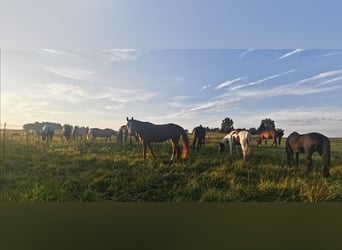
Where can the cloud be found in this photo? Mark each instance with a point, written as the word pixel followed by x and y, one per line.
pixel 178 101
pixel 56 52
pixel 334 80
pixel 262 80
pixel 293 52
pixel 71 72
pixel 121 55
pixel 205 87
pixel 234 99
pixel 243 54
pixel 332 53
pixel 321 76
pixel 229 82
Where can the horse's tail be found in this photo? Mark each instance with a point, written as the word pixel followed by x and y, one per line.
pixel 326 156
pixel 185 152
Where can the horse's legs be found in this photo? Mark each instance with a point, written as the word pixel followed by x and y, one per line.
pixel 289 154
pixel 309 161
pixel 175 149
pixel 144 150
pixel 150 147
pixel 296 158
pixel 194 143
pixel 326 162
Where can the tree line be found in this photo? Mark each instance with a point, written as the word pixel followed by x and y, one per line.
pixel 227 126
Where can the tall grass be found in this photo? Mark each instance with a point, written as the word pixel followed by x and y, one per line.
pixel 82 171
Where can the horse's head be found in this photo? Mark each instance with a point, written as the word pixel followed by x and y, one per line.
pixel 131 126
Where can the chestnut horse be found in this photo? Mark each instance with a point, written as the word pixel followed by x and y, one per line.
pixel 308 144
pixel 270 134
pixel 149 132
pixel 199 137
pixel 123 134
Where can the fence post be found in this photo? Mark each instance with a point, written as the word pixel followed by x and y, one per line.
pixel 3 146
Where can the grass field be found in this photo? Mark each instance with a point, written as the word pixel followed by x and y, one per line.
pixel 81 171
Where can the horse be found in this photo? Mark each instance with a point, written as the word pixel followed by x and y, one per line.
pixel 199 133
pixel 123 134
pixel 97 132
pixel 270 134
pixel 47 133
pixel 149 132
pixel 80 132
pixel 67 131
pixel 308 144
pixel 237 137
pixel 279 134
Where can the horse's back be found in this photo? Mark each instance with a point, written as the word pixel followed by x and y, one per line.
pixel 309 142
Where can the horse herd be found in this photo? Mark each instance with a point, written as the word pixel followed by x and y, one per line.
pixel 295 143
pixel 147 132
pixel 70 133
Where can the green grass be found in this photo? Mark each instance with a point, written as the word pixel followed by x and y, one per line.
pixel 79 171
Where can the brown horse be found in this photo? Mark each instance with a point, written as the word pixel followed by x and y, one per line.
pixel 199 137
pixel 308 144
pixel 148 132
pixel 270 134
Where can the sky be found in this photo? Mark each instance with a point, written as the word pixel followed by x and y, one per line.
pixel 300 89
pixel 190 62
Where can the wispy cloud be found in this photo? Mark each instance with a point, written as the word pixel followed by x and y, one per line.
pixel 178 101
pixel 321 76
pixel 121 55
pixel 243 54
pixel 229 82
pixel 332 53
pixel 205 87
pixel 291 53
pixel 71 72
pixel 56 52
pixel 262 80
pixel 236 98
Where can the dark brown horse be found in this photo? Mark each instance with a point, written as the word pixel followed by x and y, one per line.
pixel 308 144
pixel 149 132
pixel 199 137
pixel 270 134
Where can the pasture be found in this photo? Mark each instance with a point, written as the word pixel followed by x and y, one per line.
pixel 33 170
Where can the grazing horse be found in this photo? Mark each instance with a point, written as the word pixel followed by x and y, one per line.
pixel 237 137
pixel 47 133
pixel 67 131
pixel 148 132
pixel 308 144
pixel 199 134
pixel 107 133
pixel 270 134
pixel 123 133
pixel 80 132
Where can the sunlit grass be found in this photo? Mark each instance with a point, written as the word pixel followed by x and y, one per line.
pixel 82 171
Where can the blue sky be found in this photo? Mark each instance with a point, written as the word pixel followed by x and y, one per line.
pixel 298 88
pixel 170 24
pixel 175 61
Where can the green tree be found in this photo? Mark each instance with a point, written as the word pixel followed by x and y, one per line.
pixel 227 125
pixel 266 124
